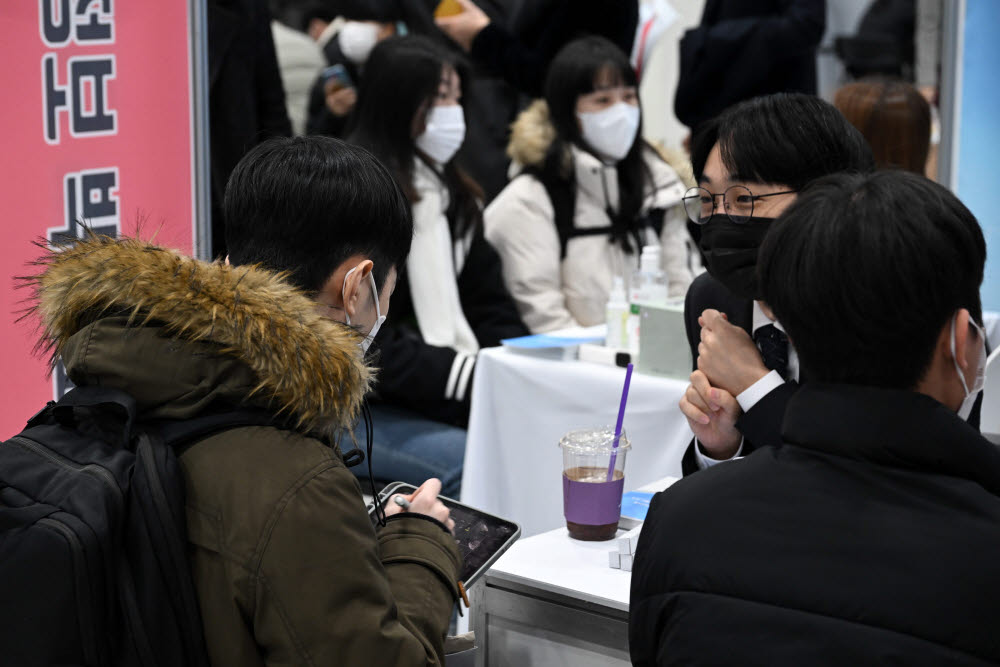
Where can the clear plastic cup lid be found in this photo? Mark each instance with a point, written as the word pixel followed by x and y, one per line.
pixel 586 441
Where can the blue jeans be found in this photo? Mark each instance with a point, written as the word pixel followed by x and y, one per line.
pixel 409 448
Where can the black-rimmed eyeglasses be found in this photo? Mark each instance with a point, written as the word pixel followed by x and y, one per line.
pixel 737 202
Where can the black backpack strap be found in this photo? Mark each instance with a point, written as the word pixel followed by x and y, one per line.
pixel 654 219
pixel 181 433
pixel 104 397
pixel 102 410
pixel 562 195
pixel 17 517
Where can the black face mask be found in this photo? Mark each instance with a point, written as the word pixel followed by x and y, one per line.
pixel 731 252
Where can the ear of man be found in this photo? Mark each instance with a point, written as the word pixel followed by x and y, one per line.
pixel 345 289
pixel 941 381
pixel 354 284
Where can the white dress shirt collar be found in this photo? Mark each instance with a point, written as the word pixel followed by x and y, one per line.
pixel 760 319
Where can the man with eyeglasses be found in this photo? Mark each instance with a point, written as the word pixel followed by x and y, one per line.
pixel 751 163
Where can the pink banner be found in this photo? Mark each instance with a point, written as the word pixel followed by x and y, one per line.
pixel 97 121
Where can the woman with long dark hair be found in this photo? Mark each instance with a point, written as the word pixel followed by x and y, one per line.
pixel 451 300
pixel 591 193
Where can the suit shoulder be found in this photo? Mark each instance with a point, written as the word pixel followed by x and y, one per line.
pixel 707 292
pixel 706 289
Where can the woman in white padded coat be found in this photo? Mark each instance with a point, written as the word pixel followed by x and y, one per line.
pixel 589 193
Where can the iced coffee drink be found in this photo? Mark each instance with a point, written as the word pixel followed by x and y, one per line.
pixel 592 498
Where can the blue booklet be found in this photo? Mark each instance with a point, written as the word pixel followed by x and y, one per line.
pixel 558 339
pixel 635 504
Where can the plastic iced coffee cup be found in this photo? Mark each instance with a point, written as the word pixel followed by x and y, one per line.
pixel 592 504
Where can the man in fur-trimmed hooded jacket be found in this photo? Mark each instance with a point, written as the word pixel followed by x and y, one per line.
pixel 287 566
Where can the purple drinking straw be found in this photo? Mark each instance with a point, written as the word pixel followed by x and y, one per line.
pixel 621 419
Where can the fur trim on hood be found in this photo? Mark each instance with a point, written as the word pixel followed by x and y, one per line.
pixel 532 134
pixel 307 366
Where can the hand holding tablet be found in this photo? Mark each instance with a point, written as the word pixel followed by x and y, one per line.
pixel 482 538
pixel 423 500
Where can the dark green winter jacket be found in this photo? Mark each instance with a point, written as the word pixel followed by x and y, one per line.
pixel 287 565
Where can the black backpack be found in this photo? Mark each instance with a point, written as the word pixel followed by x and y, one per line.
pixel 93 553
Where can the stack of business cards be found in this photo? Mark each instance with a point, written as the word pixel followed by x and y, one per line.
pixel 621 557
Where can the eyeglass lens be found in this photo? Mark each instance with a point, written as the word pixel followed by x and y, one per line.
pixel 737 202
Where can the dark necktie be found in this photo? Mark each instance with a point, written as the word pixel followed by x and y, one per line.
pixel 773 346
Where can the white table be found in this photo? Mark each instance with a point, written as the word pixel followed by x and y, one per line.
pixel 552 600
pixel 522 618
pixel 522 405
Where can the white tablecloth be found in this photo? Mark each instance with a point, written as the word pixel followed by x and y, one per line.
pixel 522 405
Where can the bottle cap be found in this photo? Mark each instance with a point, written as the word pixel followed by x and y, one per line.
pixel 649 261
pixel 617 289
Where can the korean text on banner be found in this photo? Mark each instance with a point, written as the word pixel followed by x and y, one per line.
pixel 97 118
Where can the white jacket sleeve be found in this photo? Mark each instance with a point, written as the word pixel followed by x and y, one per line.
pixel 520 224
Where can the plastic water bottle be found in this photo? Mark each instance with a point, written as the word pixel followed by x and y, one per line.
pixel 648 286
pixel 617 315
pixel 649 282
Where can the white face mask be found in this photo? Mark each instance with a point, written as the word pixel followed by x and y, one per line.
pixel 970 395
pixel 444 134
pixel 357 40
pixel 610 132
pixel 380 318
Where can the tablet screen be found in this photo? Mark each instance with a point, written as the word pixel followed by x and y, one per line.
pixel 481 537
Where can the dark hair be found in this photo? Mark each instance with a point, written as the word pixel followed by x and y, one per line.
pixel 574 72
pixel 402 77
pixel 786 138
pixel 306 204
pixel 314 11
pixel 863 271
pixel 895 119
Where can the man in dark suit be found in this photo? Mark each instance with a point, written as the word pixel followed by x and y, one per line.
pixel 869 536
pixel 751 162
